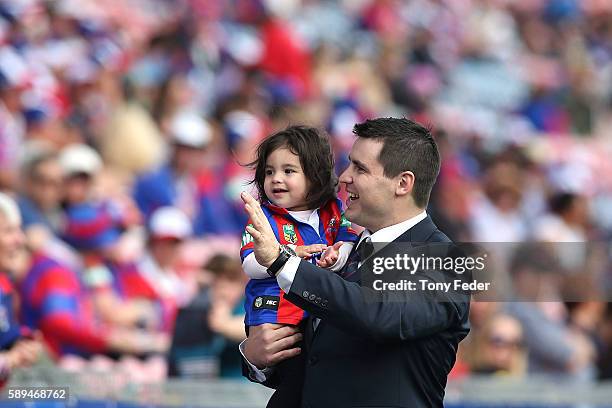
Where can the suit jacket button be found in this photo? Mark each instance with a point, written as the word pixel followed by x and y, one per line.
pixel 313 360
pixel 305 294
pixel 312 296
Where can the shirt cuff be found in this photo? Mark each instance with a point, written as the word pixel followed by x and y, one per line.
pixel 343 255
pixel 255 373
pixel 287 273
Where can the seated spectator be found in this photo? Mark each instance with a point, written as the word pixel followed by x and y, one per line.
pixel 208 330
pixel 17 347
pixel 120 293
pixel 501 348
pixel 53 301
pixel 168 228
pixel 553 347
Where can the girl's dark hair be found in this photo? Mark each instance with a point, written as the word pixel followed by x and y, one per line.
pixel 316 159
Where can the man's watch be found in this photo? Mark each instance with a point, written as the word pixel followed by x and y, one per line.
pixel 284 255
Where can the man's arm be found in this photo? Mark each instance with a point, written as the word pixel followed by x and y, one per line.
pixel 266 346
pixel 383 316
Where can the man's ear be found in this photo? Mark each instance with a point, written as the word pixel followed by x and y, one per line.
pixel 405 183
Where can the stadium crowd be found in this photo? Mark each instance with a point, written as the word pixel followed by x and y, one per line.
pixel 124 124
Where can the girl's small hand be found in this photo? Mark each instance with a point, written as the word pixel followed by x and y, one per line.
pixel 330 256
pixel 306 251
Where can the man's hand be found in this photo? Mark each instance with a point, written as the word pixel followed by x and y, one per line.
pixel 266 247
pixel 269 344
pixel 330 256
pixel 306 251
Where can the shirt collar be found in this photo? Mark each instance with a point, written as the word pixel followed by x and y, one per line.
pixel 392 232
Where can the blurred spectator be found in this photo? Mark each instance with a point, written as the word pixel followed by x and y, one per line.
pixel 41 193
pixel 15 349
pixel 208 330
pixel 496 216
pixel 184 182
pixel 553 347
pixel 501 347
pixel 568 220
pixel 169 227
pixel 120 293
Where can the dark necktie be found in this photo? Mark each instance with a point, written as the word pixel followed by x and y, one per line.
pixel 363 251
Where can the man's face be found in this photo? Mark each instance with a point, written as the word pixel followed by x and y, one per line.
pixel 370 192
pixel 46 185
pixel 11 242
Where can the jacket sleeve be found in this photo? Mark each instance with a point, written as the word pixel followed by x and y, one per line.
pixel 382 316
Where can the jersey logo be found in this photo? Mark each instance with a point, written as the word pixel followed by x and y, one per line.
pixel 345 222
pixel 289 233
pixel 266 302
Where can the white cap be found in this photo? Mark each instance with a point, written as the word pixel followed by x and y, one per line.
pixel 190 129
pixel 169 222
pixel 80 158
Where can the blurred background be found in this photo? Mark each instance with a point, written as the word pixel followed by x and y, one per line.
pixel 124 124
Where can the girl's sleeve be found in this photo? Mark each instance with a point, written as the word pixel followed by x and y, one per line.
pixel 250 266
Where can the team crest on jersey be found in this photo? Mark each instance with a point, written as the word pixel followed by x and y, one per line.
pixel 344 222
pixel 258 302
pixel 246 237
pixel 289 233
pixel 332 223
pixel 332 226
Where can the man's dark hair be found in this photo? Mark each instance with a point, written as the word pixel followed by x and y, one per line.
pixel 407 146
pixel 316 159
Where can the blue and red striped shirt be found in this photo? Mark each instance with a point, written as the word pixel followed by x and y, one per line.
pixel 265 301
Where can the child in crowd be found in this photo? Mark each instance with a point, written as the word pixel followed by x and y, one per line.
pixel 294 175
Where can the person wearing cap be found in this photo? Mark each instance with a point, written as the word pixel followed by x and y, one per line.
pixel 53 301
pixel 168 228
pixel 121 295
pixel 184 182
pixel 80 164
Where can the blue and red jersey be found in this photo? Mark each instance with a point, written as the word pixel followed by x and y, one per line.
pixel 265 301
pixel 9 327
pixel 126 282
pixel 54 301
pixel 213 213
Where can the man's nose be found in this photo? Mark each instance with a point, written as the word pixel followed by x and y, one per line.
pixel 345 177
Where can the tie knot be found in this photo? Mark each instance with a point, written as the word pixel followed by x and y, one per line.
pixel 365 249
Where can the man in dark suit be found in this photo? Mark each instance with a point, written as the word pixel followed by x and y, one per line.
pixel 395 350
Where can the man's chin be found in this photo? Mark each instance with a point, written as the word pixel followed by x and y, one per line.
pixel 352 214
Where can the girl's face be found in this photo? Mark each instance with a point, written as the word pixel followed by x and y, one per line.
pixel 285 183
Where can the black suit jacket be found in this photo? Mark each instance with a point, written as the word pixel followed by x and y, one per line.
pixel 378 354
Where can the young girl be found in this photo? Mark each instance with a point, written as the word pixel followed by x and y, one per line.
pixel 294 175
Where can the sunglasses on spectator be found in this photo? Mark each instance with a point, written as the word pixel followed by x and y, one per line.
pixel 47 181
pixel 501 342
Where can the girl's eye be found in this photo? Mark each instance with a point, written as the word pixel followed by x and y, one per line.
pixel 288 171
pixel 269 172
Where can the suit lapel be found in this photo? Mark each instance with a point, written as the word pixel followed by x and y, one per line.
pixel 419 233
